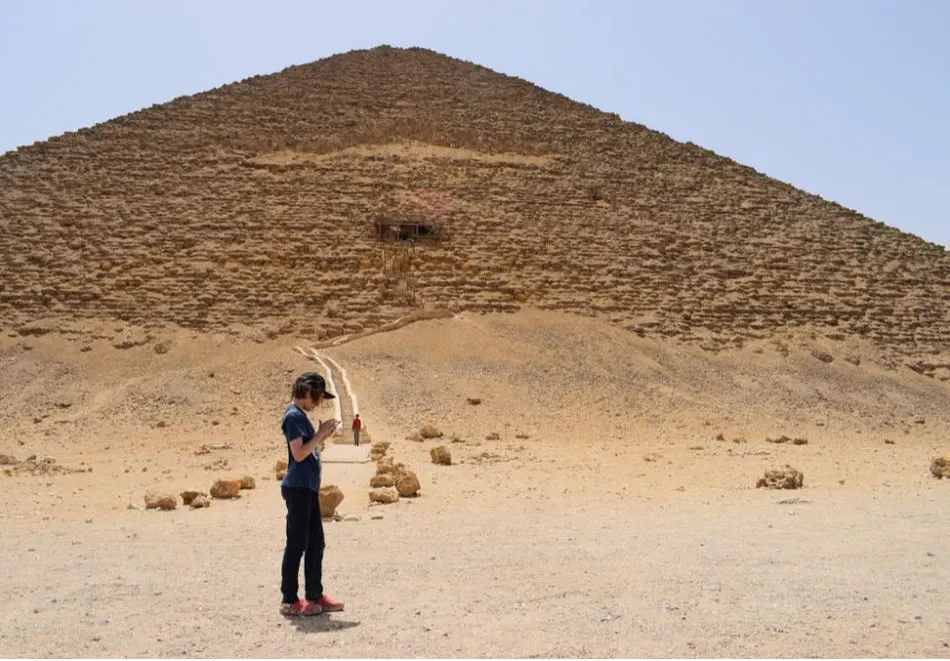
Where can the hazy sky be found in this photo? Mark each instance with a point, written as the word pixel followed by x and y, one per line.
pixel 846 99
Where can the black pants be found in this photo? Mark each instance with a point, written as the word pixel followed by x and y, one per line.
pixel 304 538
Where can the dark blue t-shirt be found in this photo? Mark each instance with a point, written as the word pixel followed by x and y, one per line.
pixel 304 474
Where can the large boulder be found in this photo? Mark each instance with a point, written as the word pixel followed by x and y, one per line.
pixel 383 480
pixel 441 455
pixel 384 495
pixel 189 496
pixel 200 501
pixel 940 467
pixel 430 431
pixel 226 489
pixel 330 497
pixel 408 485
pixel 161 501
pixel 783 478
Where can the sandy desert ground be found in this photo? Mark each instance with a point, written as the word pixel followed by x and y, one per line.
pixel 615 513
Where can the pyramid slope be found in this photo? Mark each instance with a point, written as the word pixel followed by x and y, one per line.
pixel 254 204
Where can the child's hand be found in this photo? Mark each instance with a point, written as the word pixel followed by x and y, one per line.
pixel 328 426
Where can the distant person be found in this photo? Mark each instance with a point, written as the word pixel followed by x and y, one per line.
pixel 300 489
pixel 357 426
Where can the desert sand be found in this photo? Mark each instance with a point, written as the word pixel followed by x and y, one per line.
pixel 601 501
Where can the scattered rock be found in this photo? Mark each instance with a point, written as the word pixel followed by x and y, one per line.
pixel 217 465
pixel 161 501
pixel 384 495
pixel 488 458
pixel 247 482
pixel 940 467
pixel 200 501
pixel 474 401
pixel 415 436
pixel 383 480
pixel 45 466
pixel 8 460
pixel 226 489
pixel 38 327
pixel 408 485
pixel 794 501
pixel 189 496
pixel 786 439
pixel 330 498
pixel 441 455
pixel 494 436
pixel 132 339
pixel 429 431
pixel 785 478
pixel 822 355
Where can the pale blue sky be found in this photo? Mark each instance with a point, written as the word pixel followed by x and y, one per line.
pixel 846 99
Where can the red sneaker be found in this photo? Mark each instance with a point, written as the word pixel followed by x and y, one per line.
pixel 328 605
pixel 300 607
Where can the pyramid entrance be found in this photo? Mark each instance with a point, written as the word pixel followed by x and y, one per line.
pixel 398 230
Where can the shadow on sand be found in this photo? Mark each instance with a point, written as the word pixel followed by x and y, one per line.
pixel 321 623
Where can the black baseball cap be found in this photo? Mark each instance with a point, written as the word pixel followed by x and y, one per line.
pixel 316 383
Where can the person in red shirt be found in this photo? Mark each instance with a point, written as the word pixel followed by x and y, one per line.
pixel 357 426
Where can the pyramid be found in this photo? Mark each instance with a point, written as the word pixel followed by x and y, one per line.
pixel 338 196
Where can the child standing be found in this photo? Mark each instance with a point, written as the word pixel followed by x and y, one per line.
pixel 300 490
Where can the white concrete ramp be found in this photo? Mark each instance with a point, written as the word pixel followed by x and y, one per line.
pixel 338 453
pixel 345 405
